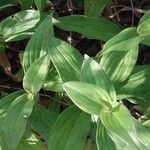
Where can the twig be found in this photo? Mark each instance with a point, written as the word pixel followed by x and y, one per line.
pixel 70 8
pixel 132 20
pixel 11 48
pixel 8 87
pixel 43 95
pixel 137 10
pixel 117 14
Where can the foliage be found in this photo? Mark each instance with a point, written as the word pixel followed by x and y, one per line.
pixel 92 89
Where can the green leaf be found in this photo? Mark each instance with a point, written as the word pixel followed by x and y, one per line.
pixel 16 119
pixel 6 3
pixel 19 24
pixel 104 142
pixel 146 41
pixel 92 73
pixel 36 74
pixel 146 124
pixel 40 4
pixel 143 134
pixel 42 120
pixel 25 4
pixel 93 8
pixel 120 123
pixel 4 104
pixel 124 41
pixel 70 130
pixel 119 55
pixel 119 65
pixel 137 86
pixel 38 44
pixel 144 17
pixel 90 101
pixel 120 144
pixel 53 81
pixel 2 141
pixel 29 141
pixel 92 28
pixel 144 25
pixel 66 59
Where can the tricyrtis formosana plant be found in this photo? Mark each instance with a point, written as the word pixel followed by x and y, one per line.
pixel 95 88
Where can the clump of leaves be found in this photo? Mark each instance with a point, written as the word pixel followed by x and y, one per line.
pixel 95 90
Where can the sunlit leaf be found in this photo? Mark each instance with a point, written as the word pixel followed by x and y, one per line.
pixel 120 123
pixel 124 41
pixel 38 45
pixel 16 119
pixel 19 25
pixel 144 25
pixel 66 59
pixel 36 74
pixel 119 65
pixel 91 72
pixel 88 97
pixel 4 104
pixel 143 134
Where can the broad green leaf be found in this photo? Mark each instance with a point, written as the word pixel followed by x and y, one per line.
pixel 144 17
pixel 2 141
pixel 88 97
pixel 119 143
pixel 38 44
pixel 40 4
pixel 92 28
pixel 144 25
pixel 120 54
pixel 92 73
pixel 121 124
pixel 146 41
pixel 146 124
pixel 42 120
pixel 66 59
pixel 137 86
pixel 25 4
pixel 143 134
pixel 93 8
pixel 118 65
pixel 70 130
pixel 6 3
pixel 29 141
pixel 16 119
pixel 4 104
pixel 124 41
pixel 104 142
pixel 55 84
pixel 36 74
pixel 19 24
